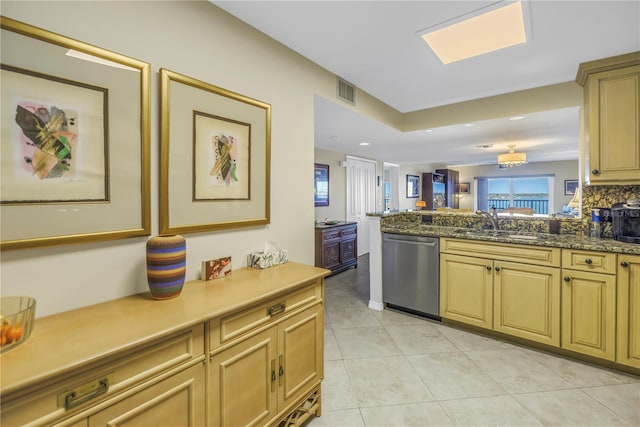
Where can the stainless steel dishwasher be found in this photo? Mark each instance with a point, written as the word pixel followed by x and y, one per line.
pixel 411 273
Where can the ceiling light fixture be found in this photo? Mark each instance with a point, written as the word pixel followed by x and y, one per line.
pixel 516 118
pixel 365 143
pixel 469 124
pixel 511 159
pixel 480 34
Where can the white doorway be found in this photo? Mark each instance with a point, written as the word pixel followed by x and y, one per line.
pixel 390 187
pixel 361 197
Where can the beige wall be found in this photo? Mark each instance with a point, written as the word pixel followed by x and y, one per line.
pixel 201 41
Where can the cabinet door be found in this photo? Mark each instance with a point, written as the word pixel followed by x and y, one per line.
pixel 614 131
pixel 629 310
pixel 331 254
pixel 300 355
pixel 178 400
pixel 588 313
pixel 466 290
pixel 243 382
pixel 348 251
pixel 526 302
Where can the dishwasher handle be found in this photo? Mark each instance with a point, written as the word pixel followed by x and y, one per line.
pixel 412 242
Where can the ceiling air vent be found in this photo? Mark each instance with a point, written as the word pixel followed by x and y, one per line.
pixel 346 91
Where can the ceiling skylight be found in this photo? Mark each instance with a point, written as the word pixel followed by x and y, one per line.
pixel 488 32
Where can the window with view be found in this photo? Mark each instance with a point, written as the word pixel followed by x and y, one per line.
pixel 516 192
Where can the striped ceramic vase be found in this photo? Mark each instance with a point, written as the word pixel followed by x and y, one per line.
pixel 166 265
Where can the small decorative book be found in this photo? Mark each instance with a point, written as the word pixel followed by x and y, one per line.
pixel 216 268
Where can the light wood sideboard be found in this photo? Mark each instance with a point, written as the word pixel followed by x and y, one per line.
pixel 245 349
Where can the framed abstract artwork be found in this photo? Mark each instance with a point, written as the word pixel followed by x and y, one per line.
pixel 321 184
pixel 75 140
pixel 215 157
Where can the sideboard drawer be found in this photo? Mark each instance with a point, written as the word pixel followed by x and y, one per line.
pixel 235 325
pixel 67 394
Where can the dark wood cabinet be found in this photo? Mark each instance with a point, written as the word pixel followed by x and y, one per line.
pixel 433 191
pixel 451 181
pixel 337 246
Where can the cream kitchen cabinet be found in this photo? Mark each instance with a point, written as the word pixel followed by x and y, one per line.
pixel 266 360
pixel 589 303
pixel 628 310
pixel 516 298
pixel 466 290
pixel 526 301
pixel 612 118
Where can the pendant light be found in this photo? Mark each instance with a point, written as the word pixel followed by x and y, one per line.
pixel 511 159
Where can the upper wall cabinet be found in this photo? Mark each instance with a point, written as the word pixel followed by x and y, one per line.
pixel 612 119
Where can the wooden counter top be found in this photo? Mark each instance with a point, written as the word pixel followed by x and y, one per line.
pixel 63 342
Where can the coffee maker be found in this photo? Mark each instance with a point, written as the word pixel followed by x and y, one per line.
pixel 626 221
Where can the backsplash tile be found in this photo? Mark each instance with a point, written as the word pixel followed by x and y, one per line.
pixel 603 196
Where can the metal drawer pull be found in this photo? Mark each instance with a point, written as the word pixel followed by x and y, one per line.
pixel 276 309
pixel 497 268
pixel 488 268
pixel 84 393
pixel 567 278
pixel 588 261
pixel 624 264
pixel 273 374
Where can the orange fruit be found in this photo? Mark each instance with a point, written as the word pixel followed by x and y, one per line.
pixel 14 333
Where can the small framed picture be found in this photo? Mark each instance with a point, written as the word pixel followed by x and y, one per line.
pixel 570 186
pixel 216 268
pixel 412 186
pixel 464 188
pixel 321 184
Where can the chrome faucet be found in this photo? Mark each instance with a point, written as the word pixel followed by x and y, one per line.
pixel 493 217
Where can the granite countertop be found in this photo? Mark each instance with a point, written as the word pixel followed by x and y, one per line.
pixel 566 241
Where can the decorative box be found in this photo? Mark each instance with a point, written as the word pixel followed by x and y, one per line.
pixel 267 258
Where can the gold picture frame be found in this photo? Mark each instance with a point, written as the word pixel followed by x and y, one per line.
pixel 215 157
pixel 109 95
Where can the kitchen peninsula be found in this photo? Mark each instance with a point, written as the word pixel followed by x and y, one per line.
pixel 563 292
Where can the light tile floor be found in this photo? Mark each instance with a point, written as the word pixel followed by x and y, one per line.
pixel 393 369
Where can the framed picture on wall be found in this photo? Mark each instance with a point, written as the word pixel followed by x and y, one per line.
pixel 321 184
pixel 413 181
pixel 74 158
pixel 464 188
pixel 215 157
pixel 570 186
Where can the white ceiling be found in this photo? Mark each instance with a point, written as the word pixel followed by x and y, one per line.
pixel 376 46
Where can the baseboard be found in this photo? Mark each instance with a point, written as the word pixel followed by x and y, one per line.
pixel 376 305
